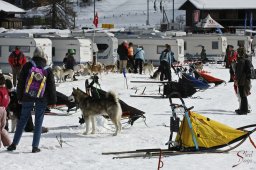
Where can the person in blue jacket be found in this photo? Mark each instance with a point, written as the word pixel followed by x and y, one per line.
pixel 166 59
pixel 139 56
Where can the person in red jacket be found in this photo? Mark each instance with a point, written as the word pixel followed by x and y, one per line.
pixel 4 101
pixel 232 57
pixel 16 60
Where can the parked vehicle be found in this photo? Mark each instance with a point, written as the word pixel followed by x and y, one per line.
pixel 26 43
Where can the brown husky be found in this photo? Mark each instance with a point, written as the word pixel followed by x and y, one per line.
pixel 91 107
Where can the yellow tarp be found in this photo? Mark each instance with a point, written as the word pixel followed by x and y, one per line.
pixel 209 133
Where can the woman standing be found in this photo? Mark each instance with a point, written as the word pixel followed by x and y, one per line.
pixel 30 102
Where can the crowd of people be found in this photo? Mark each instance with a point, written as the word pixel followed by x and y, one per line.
pixel 132 58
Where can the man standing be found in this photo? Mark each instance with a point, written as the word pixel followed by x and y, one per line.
pixel 70 61
pixel 16 61
pixel 242 80
pixel 203 55
pixel 166 59
pixel 122 51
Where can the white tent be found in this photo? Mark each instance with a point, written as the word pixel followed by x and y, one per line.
pixel 208 22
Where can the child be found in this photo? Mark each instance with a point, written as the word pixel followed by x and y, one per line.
pixel 4 101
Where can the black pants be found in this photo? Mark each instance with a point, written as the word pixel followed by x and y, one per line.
pixel 138 63
pixel 165 71
pixel 244 101
pixel 130 64
pixel 231 72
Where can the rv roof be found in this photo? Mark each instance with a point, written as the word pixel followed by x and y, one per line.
pixel 16 35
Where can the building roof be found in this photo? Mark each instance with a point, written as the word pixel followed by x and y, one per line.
pixel 220 4
pixel 9 8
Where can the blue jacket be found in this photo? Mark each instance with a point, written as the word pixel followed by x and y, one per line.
pixel 139 54
pixel 167 56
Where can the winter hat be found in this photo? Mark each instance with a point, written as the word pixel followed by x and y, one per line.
pixel 39 52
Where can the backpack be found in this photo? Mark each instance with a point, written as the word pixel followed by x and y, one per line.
pixel 250 73
pixel 36 81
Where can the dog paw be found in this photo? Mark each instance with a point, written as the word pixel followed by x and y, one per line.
pixel 85 133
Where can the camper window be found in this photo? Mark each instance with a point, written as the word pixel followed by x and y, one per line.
pixel 102 47
pixel 160 48
pixel 53 51
pixel 215 45
pixel 185 45
pixel 24 49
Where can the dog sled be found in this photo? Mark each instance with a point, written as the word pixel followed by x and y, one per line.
pixel 196 134
pixel 184 87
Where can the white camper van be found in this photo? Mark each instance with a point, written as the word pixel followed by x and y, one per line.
pixel 107 45
pixel 153 46
pixel 27 45
pixel 235 40
pixel 81 46
pixel 214 45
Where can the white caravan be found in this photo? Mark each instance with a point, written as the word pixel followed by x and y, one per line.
pixel 153 46
pixel 27 44
pixel 214 45
pixel 235 40
pixel 81 46
pixel 107 45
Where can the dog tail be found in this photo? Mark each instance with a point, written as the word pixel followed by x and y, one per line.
pixel 112 96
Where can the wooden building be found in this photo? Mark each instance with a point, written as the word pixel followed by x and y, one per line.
pixel 7 16
pixel 231 14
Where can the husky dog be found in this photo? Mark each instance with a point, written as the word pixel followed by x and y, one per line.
pixel 148 68
pixel 156 75
pixel 110 68
pixel 98 68
pixel 56 72
pixel 91 107
pixel 66 72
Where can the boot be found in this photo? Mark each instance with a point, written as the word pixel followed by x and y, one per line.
pixel 12 147
pixel 35 150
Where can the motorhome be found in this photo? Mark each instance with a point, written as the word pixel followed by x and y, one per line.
pixel 27 45
pixel 153 46
pixel 81 46
pixel 214 45
pixel 107 45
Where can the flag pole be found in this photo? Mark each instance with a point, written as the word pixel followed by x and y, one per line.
pixel 94 62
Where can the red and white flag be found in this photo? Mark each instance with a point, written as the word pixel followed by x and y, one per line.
pixel 96 20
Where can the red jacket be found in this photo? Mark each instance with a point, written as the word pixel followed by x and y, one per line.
pixel 232 56
pixel 4 97
pixel 17 59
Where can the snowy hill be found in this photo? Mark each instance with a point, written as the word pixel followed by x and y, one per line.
pixel 124 13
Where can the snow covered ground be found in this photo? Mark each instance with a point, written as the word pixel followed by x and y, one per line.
pixel 84 152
